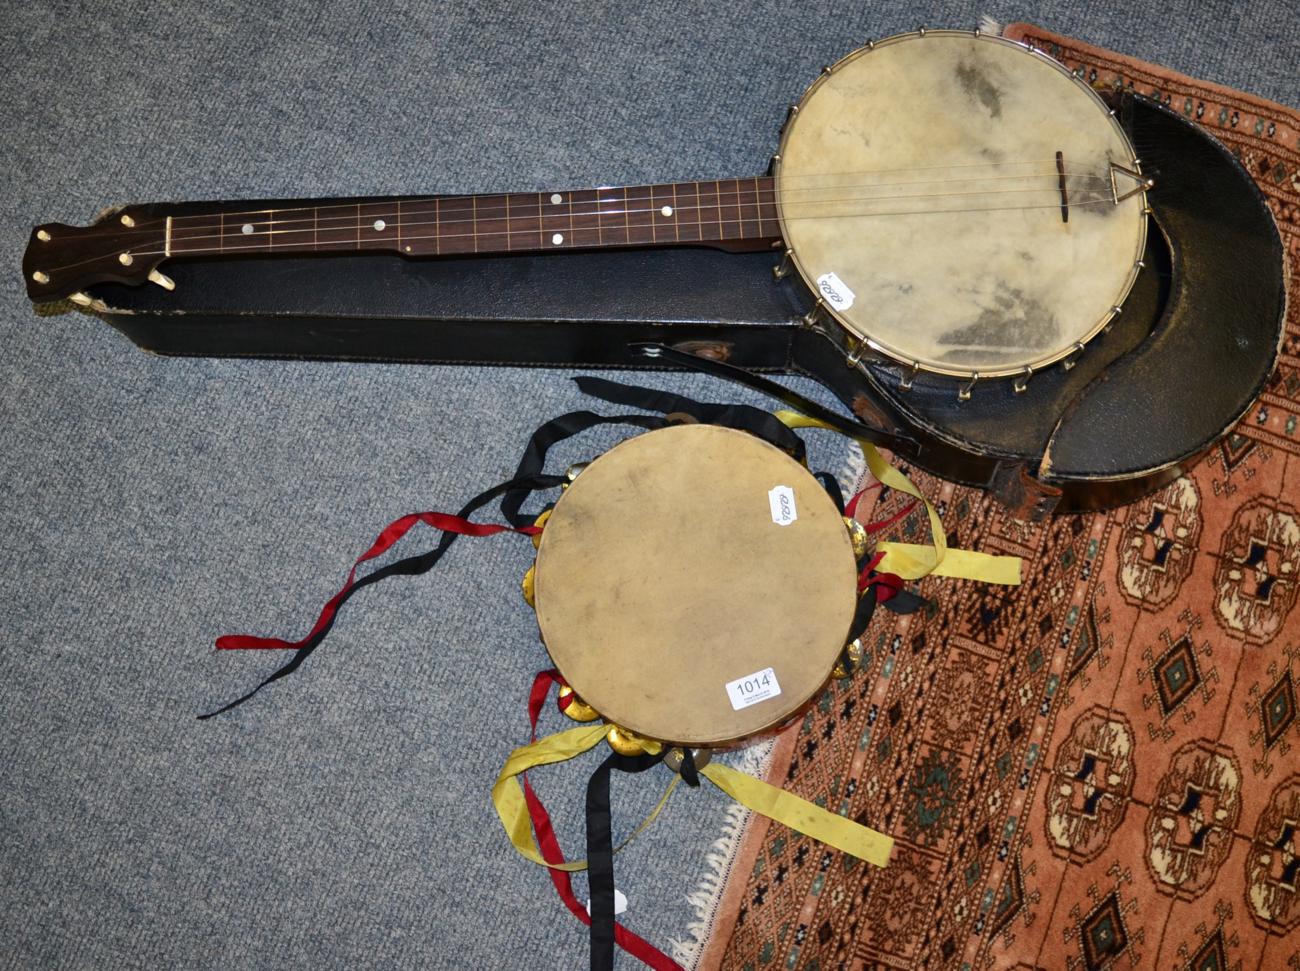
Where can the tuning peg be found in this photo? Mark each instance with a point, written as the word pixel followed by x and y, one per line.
pixel 81 299
pixel 162 279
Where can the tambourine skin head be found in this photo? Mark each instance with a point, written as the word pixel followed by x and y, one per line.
pixel 962 204
pixel 687 560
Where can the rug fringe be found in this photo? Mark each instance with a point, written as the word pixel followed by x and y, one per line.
pixel 707 896
pixel 853 471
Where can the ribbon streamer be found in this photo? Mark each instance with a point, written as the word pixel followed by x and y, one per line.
pixel 801 815
pixel 911 561
pixel 508 794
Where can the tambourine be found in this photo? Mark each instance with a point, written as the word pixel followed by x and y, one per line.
pixel 695 586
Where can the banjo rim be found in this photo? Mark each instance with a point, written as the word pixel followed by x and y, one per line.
pixel 868 342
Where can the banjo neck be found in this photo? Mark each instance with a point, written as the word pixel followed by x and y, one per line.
pixel 128 245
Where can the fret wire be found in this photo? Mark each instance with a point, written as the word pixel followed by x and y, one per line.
pixel 399 225
pixel 740 207
pixel 437 229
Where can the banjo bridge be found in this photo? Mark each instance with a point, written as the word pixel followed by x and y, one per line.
pixel 1065 193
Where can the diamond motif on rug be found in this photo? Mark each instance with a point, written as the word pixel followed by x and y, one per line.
pixel 1104 935
pixel 1176 675
pixel 1278 710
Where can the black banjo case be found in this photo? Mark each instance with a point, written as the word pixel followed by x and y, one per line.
pixel 1196 341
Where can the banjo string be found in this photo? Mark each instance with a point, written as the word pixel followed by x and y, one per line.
pixel 145 224
pixel 261 248
pixel 620 207
pixel 763 197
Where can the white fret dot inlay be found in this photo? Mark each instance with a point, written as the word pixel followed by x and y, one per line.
pixel 379 225
pixel 667 210
pixel 556 198
pixel 247 228
pixel 557 239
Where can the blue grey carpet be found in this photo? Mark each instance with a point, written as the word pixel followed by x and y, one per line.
pixel 342 819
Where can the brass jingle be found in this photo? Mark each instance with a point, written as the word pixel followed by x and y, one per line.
pixel 529 585
pixel 571 473
pixel 577 709
pixel 850 660
pixel 858 537
pixel 855 651
pixel 702 756
pixel 624 742
pixel 540 522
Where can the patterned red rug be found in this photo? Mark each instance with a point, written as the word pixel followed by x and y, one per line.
pixel 1102 767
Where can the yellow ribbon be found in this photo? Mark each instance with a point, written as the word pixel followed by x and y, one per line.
pixel 911 561
pixel 508 793
pixel 801 815
pixel 784 807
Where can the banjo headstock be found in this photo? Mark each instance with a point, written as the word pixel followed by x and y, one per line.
pixel 120 247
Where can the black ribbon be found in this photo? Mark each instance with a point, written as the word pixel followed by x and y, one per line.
pixel 893 440
pixel 600 853
pixel 832 487
pixel 410 566
pixel 745 418
pixel 547 436
pixel 689 771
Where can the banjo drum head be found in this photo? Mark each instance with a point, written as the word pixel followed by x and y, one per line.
pixel 920 195
pixel 686 560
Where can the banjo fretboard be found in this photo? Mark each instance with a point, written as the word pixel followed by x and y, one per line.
pixel 727 212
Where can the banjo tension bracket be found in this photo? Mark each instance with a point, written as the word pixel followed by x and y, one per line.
pixel 782 269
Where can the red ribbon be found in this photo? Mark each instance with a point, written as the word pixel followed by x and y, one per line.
pixel 391 534
pixel 889 583
pixel 880 524
pixel 852 507
pixel 638 947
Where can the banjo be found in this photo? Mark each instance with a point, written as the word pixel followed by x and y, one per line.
pixel 958 209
